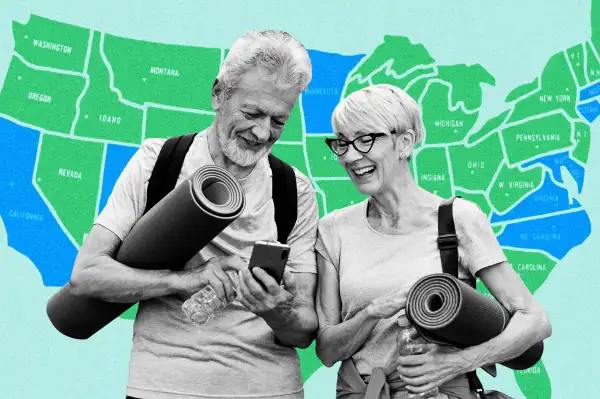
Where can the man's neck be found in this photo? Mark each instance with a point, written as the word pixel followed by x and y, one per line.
pixel 216 153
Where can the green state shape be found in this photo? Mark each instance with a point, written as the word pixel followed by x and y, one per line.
pixel 293 154
pixel 52 44
pixel 320 203
pixel 309 362
pixel 403 53
pixel 593 64
pixel 383 78
pixel 474 167
pixel 497 229
pixel 534 382
pixel 68 174
pixel 478 199
pixel 466 83
pixel 293 130
pixel 101 115
pixel 130 313
pixel 443 126
pixel 432 171
pixel 166 74
pixel 416 89
pixel 533 267
pixel 224 51
pixel 582 139
pixel 558 91
pixel 353 86
pixel 41 98
pixel 512 185
pixel 576 58
pixel 536 137
pixel 322 161
pixel 520 91
pixel 165 123
pixel 489 126
pixel 340 193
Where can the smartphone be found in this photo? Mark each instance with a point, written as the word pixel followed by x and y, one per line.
pixel 271 256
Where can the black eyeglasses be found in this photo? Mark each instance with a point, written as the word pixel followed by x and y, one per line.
pixel 362 144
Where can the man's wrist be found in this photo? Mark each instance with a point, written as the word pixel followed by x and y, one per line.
pixel 281 316
pixel 176 282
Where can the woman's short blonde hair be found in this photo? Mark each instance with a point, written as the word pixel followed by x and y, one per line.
pixel 379 105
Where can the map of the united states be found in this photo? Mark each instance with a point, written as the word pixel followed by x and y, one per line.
pixel 77 103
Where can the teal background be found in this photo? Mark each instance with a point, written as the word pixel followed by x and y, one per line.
pixel 512 39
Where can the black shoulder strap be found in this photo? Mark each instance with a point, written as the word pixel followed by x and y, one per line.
pixel 284 197
pixel 167 167
pixel 447 238
pixel 448 245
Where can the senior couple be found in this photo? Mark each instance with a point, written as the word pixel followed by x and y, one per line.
pixel 345 281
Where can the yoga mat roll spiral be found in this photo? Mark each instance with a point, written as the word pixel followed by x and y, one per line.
pixel 446 310
pixel 166 237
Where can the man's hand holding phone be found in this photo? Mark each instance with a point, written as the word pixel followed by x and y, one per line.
pixel 260 289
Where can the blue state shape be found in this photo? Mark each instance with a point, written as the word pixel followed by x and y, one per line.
pixel 117 157
pixel 324 92
pixel 31 228
pixel 590 110
pixel 554 162
pixel 589 92
pixel 547 199
pixel 556 235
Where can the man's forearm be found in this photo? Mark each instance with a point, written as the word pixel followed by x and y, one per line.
pixel 112 281
pixel 294 324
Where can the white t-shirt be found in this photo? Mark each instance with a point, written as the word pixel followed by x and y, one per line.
pixel 370 264
pixel 234 355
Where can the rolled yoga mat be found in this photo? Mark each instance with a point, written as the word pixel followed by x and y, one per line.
pixel 166 237
pixel 446 310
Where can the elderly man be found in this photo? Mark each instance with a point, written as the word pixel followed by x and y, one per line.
pixel 249 350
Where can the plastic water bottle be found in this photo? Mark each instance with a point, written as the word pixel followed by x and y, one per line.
pixel 205 305
pixel 409 342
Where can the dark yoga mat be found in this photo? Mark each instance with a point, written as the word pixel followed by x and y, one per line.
pixel 446 310
pixel 166 237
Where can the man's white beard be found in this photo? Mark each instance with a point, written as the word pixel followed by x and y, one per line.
pixel 240 156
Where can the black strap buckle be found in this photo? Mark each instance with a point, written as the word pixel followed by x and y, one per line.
pixel 447 241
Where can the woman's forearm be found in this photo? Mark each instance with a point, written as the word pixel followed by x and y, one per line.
pixel 523 331
pixel 338 342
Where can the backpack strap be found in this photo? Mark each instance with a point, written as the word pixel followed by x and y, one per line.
pixel 167 167
pixel 284 197
pixel 448 246
pixel 447 239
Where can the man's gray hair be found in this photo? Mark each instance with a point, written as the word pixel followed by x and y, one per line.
pixel 379 105
pixel 278 56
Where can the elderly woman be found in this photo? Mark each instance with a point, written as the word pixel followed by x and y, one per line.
pixel 369 254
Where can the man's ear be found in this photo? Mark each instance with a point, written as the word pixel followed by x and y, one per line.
pixel 217 94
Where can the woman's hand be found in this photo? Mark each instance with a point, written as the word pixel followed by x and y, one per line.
pixel 388 305
pixel 437 365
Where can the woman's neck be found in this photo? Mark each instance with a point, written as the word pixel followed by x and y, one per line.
pixel 399 209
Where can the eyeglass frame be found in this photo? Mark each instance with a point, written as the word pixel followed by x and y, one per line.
pixel 374 136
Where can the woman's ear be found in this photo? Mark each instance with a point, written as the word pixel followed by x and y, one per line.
pixel 405 143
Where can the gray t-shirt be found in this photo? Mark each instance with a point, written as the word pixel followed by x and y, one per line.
pixel 371 264
pixel 234 355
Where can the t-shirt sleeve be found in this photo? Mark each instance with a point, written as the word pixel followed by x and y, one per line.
pixel 327 244
pixel 127 200
pixel 478 247
pixel 302 237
